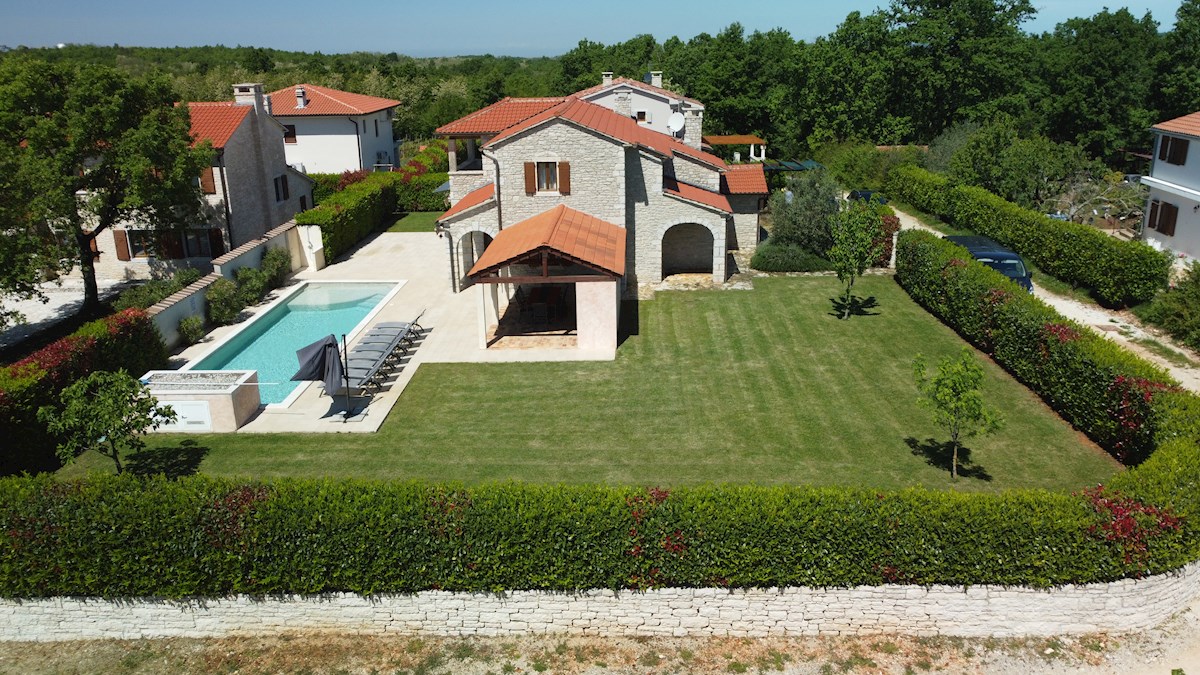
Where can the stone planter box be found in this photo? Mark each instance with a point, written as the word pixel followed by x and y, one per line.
pixel 218 401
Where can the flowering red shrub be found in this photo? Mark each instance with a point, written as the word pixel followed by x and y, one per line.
pixel 1130 405
pixel 351 177
pixel 1129 524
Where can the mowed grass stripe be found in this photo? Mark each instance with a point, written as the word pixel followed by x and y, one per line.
pixel 760 386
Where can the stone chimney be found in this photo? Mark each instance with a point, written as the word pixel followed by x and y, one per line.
pixel 622 104
pixel 301 97
pixel 250 93
pixel 606 78
pixel 693 127
pixel 656 78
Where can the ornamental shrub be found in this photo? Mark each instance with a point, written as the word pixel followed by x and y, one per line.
pixel 772 257
pixel 1177 311
pixel 126 340
pixel 200 536
pixel 1100 388
pixel 252 285
pixel 155 290
pixel 1119 273
pixel 191 329
pixel 277 265
pixel 224 302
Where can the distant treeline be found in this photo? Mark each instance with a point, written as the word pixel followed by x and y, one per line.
pixel 899 75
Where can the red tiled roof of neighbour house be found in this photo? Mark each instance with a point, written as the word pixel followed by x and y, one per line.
pixel 498 116
pixel 572 233
pixel 326 101
pixel 470 200
pixel 215 122
pixel 635 83
pixel 1188 125
pixel 736 139
pixel 744 179
pixel 606 122
pixel 699 195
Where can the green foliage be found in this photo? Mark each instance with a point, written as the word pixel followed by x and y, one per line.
pixel 198 536
pixel 856 234
pixel 1177 311
pixel 155 290
pixel 325 184
pixel 1118 272
pixel 772 257
pixel 952 395
pixel 191 329
pixel 861 165
pixel 1100 388
pixel 277 265
pixel 802 214
pixel 252 285
pixel 224 302
pixel 127 340
pixel 106 412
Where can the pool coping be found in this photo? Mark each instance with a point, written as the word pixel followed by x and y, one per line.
pixel 263 310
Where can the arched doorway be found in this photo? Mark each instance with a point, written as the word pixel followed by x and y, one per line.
pixel 687 248
pixel 470 246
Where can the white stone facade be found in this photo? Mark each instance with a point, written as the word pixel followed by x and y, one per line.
pixel 995 611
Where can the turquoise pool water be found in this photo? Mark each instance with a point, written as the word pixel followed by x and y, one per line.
pixel 269 343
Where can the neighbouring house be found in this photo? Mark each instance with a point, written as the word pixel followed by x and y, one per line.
pixel 331 131
pixel 1173 209
pixel 248 190
pixel 561 206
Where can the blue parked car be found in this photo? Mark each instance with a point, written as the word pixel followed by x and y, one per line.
pixel 997 257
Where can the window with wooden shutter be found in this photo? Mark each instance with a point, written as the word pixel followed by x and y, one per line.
pixel 530 178
pixel 289 133
pixel 208 184
pixel 1173 150
pixel 286 193
pixel 564 178
pixel 122 244
pixel 1167 214
pixel 1152 221
pixel 216 243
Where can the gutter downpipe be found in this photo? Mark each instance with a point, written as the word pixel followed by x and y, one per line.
pixel 225 198
pixel 358 140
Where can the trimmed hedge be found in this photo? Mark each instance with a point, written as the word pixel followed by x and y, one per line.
pixel 127 340
pixel 1099 387
pixel 771 257
pixel 1119 273
pixel 199 536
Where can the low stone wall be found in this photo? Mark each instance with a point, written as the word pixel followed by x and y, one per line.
pixel 938 610
pixel 189 301
pixel 250 254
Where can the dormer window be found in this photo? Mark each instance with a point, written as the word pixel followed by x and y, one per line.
pixel 1173 150
pixel 643 116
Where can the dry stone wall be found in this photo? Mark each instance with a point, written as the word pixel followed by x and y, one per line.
pixel 1121 606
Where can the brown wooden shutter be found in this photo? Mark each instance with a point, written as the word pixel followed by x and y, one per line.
pixel 564 178
pixel 94 248
pixel 286 193
pixel 530 178
pixel 207 185
pixel 1179 150
pixel 1164 142
pixel 1152 221
pixel 122 244
pixel 1169 213
pixel 216 243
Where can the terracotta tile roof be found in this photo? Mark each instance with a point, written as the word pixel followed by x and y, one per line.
pixel 744 179
pixel 635 83
pixel 471 200
pixel 1188 125
pixel 692 193
pixel 216 122
pixel 499 116
pixel 572 233
pixel 326 101
pixel 606 122
pixel 736 139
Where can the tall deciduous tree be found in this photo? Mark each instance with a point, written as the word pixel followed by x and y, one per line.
pixel 99 148
pixel 952 395
pixel 856 244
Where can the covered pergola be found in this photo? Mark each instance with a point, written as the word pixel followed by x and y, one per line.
pixel 559 273
pixel 758 146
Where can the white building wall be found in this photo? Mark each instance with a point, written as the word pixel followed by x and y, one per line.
pixel 1187 174
pixel 1187 226
pixel 378 145
pixel 326 144
pixel 657 107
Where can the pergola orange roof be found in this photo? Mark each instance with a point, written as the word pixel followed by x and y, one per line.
pixel 1188 125
pixel 736 139
pixel 569 233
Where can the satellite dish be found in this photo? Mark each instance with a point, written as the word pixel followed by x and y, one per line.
pixel 675 122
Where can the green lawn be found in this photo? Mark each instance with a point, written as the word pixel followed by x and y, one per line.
pixel 760 386
pixel 420 221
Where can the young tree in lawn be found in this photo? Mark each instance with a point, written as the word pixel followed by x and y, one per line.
pixel 952 394
pixel 856 244
pixel 106 412
pixel 97 148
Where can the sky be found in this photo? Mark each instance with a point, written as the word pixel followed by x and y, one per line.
pixel 448 27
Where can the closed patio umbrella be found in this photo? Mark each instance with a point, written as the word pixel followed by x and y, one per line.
pixel 322 361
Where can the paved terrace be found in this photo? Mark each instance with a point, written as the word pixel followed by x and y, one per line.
pixel 451 323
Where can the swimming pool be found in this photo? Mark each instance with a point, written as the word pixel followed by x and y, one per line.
pixel 268 344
